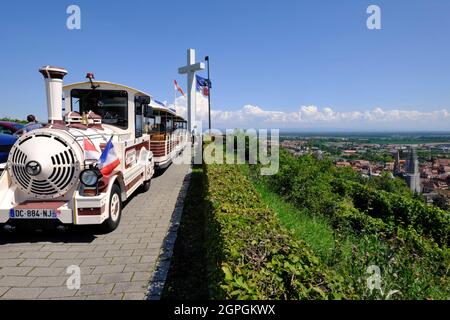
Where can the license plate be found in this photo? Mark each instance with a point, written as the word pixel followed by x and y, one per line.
pixel 33 214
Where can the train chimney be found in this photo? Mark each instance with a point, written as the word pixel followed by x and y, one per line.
pixel 53 85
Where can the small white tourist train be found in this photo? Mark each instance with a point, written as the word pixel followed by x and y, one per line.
pixel 56 175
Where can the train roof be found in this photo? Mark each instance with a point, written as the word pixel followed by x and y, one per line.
pixel 155 104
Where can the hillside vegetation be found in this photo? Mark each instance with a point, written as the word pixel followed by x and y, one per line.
pixel 353 223
pixel 312 231
pixel 249 255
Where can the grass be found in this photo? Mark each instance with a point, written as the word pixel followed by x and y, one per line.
pixel 316 231
pixel 336 250
pixel 187 275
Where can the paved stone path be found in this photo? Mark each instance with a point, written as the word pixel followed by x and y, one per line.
pixel 119 265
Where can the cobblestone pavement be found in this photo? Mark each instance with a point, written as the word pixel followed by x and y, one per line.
pixel 119 265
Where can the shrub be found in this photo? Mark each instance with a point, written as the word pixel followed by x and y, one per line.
pixel 398 210
pixel 250 255
pixel 385 224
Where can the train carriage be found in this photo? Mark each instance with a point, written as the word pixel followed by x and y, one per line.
pixel 55 176
pixel 168 134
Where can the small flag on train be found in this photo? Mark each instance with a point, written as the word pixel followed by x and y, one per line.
pixel 177 87
pixel 203 86
pixel 109 159
pixel 90 151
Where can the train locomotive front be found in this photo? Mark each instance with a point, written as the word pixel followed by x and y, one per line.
pixel 50 181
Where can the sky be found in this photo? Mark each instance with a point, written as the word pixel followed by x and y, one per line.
pixel 306 65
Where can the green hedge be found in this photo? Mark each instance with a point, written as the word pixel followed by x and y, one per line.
pixel 250 256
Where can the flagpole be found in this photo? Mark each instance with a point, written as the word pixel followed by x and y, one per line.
pixel 209 94
pixel 174 95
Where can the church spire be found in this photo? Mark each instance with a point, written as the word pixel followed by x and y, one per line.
pixel 412 171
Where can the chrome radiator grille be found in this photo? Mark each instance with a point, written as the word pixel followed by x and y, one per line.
pixel 43 165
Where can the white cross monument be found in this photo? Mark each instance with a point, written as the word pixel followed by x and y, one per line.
pixel 190 70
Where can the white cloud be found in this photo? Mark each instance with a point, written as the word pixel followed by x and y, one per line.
pixel 311 117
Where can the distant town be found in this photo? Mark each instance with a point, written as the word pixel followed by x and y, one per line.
pixel 422 160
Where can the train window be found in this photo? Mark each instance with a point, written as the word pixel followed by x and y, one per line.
pixel 138 123
pixel 163 124
pixel 111 105
pixel 149 125
pixel 157 120
pixel 178 124
pixel 169 122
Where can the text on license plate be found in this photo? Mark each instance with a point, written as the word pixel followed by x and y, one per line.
pixel 33 214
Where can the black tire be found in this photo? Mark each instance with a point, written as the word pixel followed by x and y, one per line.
pixel 113 220
pixel 146 185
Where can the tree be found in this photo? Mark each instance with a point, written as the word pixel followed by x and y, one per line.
pixel 12 120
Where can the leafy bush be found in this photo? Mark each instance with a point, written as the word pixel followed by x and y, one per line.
pixel 250 255
pixel 306 182
pixel 399 210
pixel 318 187
pixel 375 222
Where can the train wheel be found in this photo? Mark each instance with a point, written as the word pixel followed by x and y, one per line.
pixel 115 210
pixel 146 185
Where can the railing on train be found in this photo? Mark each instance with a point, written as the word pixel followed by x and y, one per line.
pixel 171 141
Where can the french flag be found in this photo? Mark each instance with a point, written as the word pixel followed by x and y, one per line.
pixel 90 151
pixel 109 159
pixel 177 87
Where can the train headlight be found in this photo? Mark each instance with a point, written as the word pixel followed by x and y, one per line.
pixel 90 177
